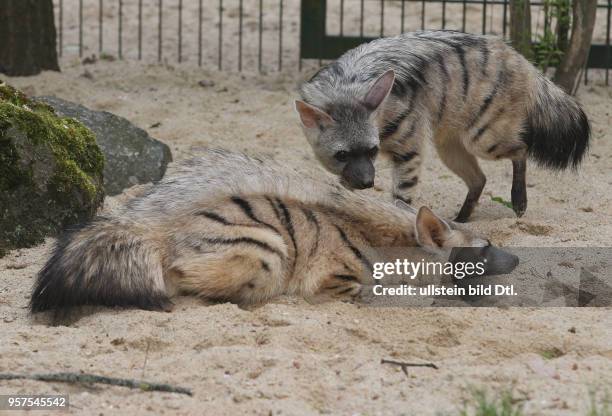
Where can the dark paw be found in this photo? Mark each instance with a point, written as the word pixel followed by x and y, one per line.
pixel 519 204
pixel 467 208
pixel 519 209
pixel 462 217
pixel 342 287
pixel 464 213
pixel 350 291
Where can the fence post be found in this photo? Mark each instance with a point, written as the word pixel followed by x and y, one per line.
pixel 312 30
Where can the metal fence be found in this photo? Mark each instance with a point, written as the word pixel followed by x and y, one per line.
pixel 226 34
pixel 325 34
pixel 274 35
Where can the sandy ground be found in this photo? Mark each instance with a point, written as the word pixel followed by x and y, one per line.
pixel 290 357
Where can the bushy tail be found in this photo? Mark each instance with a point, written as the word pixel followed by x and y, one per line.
pixel 106 262
pixel 557 130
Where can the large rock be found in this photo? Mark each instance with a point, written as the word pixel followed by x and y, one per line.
pixel 50 171
pixel 132 156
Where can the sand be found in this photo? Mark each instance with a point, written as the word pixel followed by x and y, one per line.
pixel 290 357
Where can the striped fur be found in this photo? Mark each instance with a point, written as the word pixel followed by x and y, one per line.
pixel 472 96
pixel 228 227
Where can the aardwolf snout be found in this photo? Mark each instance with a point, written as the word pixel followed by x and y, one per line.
pixel 495 260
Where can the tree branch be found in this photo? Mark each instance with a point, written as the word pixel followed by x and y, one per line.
pixel 92 378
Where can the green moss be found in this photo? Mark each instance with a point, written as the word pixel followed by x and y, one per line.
pixel 18 98
pixel 50 171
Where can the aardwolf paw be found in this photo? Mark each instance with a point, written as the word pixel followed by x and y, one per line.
pixel 519 204
pixel 341 287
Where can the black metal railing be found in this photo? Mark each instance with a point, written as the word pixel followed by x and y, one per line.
pixel 272 35
pixel 201 31
pixel 318 43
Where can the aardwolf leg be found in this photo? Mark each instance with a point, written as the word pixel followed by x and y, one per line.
pixel 457 159
pixel 519 190
pixel 337 287
pixel 240 275
pixel 406 168
pixel 405 150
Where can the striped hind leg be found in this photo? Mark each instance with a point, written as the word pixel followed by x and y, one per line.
pixel 241 264
pixel 465 165
pixel 240 276
pixel 497 148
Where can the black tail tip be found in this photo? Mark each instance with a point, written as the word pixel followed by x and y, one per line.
pixel 58 291
pixel 64 301
pixel 66 282
pixel 66 309
pixel 560 145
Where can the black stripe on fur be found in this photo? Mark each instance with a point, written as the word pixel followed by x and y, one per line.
pixel 346 277
pixel 391 127
pixel 460 51
pixel 214 217
pixel 406 135
pixel 403 158
pixel 354 249
pixel 401 198
pixel 446 81
pixel 312 218
pixel 246 207
pixel 245 240
pixel 345 291
pixel 287 222
pixel 408 184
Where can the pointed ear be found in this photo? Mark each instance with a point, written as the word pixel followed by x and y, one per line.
pixel 312 117
pixel 431 231
pixel 402 205
pixel 379 90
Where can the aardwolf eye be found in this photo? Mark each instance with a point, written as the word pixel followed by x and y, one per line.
pixel 341 156
pixel 373 151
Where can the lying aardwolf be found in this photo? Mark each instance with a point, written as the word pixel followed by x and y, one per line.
pixel 228 227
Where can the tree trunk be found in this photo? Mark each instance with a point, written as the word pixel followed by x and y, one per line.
pixel 574 59
pixel 520 27
pixel 563 25
pixel 27 37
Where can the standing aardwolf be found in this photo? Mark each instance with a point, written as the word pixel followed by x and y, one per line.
pixel 472 96
pixel 225 226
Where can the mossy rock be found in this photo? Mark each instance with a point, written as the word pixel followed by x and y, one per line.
pixel 50 171
pixel 132 156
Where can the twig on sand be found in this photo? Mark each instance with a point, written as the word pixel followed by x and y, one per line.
pixel 92 378
pixel 404 366
pixel 144 366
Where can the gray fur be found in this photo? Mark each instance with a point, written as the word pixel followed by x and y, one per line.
pixel 472 96
pixel 225 226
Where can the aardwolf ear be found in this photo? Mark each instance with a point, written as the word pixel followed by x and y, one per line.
pixel 379 91
pixel 312 117
pixel 432 232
